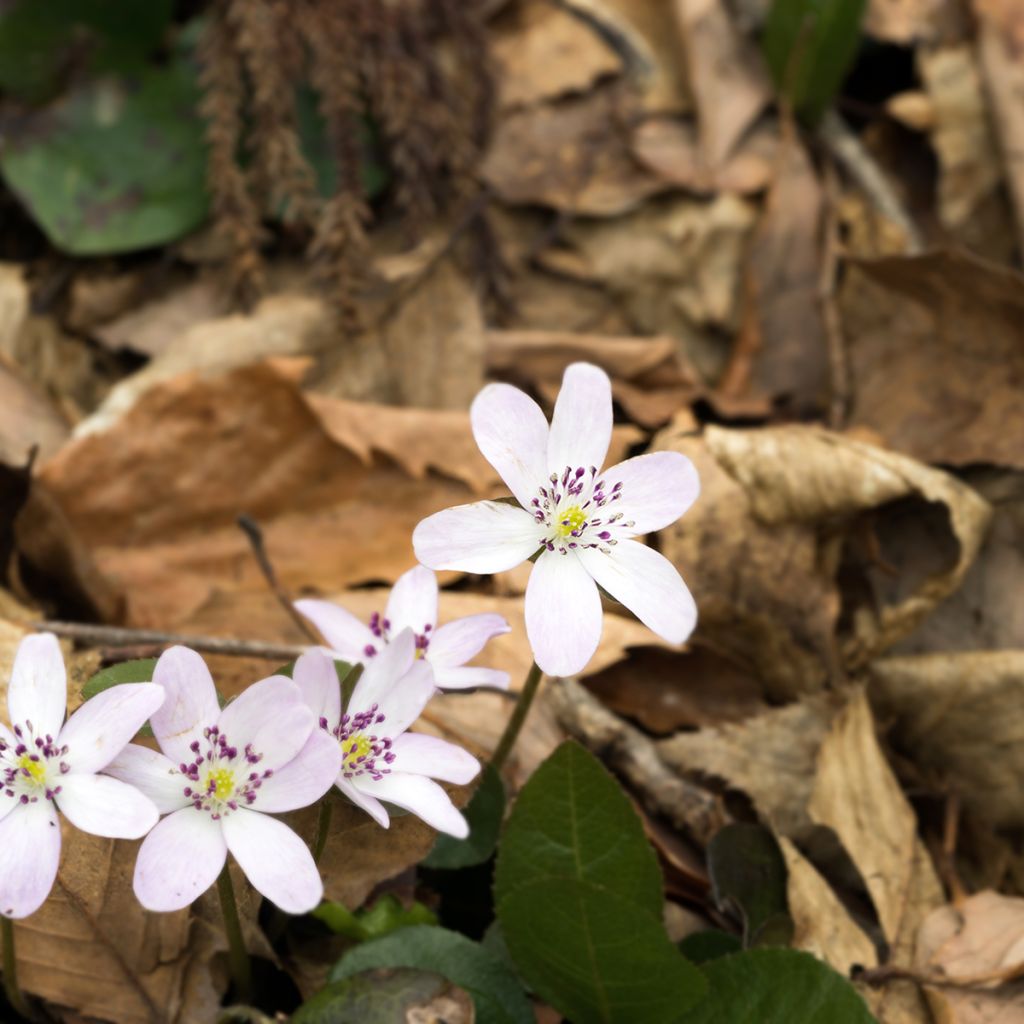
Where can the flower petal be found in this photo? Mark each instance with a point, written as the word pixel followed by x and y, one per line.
pixel 317 679
pixel 405 701
pixel 275 860
pixel 344 633
pixel 563 614
pixel 381 673
pixel 29 857
pixel 426 799
pixel 648 584
pixel 101 728
pixel 487 536
pixel 512 433
pixel 304 779
pixel 438 759
pixel 470 677
pixel 104 806
pixel 153 774
pixel 38 690
pixel 581 426
pixel 273 717
pixel 191 703
pixel 457 641
pixel 179 860
pixel 657 488
pixel 412 602
pixel 374 808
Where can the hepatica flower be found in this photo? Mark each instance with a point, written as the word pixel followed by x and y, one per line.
pixel 47 764
pixel 381 760
pixel 412 604
pixel 581 518
pixel 220 776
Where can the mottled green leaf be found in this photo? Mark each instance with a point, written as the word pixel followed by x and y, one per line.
pixel 371 1000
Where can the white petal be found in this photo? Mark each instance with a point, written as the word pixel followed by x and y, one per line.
pixel 344 633
pixel 29 857
pixel 179 860
pixel 105 806
pixel 412 602
pixel 648 584
pixel 563 614
pixel 374 808
pixel 101 728
pixel 275 860
pixel 405 701
pixel 657 488
pixel 381 673
pixel 470 677
pixel 317 679
pixel 485 537
pixel 581 426
pixel 191 703
pixel 38 690
pixel 153 774
pixel 457 641
pixel 512 433
pixel 273 717
pixel 426 799
pixel 304 779
pixel 438 759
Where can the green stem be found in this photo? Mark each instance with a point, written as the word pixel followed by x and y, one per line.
pixel 323 827
pixel 11 990
pixel 238 957
pixel 515 722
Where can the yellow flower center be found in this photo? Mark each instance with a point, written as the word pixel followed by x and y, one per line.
pixel 355 748
pixel 570 520
pixel 220 783
pixel 35 769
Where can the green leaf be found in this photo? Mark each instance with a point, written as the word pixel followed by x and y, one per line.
pixel 117 165
pixel 497 996
pixel 579 899
pixel 777 986
pixel 748 875
pixel 370 1000
pixel 138 671
pixel 484 813
pixel 385 916
pixel 809 46
pixel 703 946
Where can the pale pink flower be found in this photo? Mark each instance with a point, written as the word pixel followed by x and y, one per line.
pixel 581 519
pixel 47 764
pixel 412 604
pixel 381 761
pixel 221 775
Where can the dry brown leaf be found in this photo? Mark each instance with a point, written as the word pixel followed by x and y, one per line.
pixel 910 21
pixel 27 420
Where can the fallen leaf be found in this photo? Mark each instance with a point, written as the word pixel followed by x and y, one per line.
pixel 27 419
pixel 911 21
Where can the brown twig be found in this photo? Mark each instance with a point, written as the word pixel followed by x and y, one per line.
pixel 878 976
pixel 839 371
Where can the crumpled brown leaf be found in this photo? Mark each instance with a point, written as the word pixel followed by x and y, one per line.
pixel 909 21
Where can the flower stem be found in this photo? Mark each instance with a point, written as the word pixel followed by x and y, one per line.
pixel 323 827
pixel 238 957
pixel 11 990
pixel 515 722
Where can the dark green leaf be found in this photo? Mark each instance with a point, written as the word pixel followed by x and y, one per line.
pixel 385 916
pixel 138 671
pixel 497 995
pixel 703 946
pixel 371 1000
pixel 777 986
pixel 484 813
pixel 748 874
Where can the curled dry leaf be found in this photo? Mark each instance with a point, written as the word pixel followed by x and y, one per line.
pixel 910 21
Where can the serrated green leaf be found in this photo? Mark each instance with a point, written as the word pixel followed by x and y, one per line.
pixel 777 986
pixel 497 995
pixel 484 813
pixel 385 916
pixel 366 1000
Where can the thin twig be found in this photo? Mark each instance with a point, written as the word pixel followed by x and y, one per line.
pixel 839 371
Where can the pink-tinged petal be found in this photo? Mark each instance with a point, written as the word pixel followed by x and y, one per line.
pixel 657 488
pixel 317 680
pixel 470 677
pixel 381 673
pixel 179 860
pixel 273 717
pixel 425 799
pixel 304 779
pixel 438 759
pixel 512 433
pixel 581 426
pixel 275 860
pixel 648 584
pixel 104 806
pixel 563 614
pixel 344 633
pixel 29 857
pixel 101 728
pixel 412 602
pixel 485 537
pixel 38 690
pixel 7 804
pixel 152 774
pixel 374 808
pixel 457 641
pixel 405 701
pixel 191 703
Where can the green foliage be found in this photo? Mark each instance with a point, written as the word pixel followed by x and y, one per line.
pixel 366 1000
pixel 484 813
pixel 777 986
pixel 385 916
pixel 497 995
pixel 579 899
pixel 700 947
pixel 138 671
pixel 809 46
pixel 748 874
